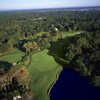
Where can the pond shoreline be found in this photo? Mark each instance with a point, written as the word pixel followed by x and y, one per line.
pixel 57 76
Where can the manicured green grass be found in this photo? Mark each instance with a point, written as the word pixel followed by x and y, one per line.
pixel 43 72
pixel 12 56
pixel 40 34
pixel 67 34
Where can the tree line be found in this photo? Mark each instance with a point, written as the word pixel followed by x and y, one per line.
pixel 16 26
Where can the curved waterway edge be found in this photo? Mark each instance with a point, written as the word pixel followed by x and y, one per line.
pixel 57 77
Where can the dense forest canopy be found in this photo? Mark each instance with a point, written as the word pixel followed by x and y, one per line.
pixel 15 26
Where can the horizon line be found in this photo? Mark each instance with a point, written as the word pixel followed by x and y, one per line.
pixel 47 8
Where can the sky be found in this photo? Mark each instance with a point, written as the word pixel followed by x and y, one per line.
pixel 35 4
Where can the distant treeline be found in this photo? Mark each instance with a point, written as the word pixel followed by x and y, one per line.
pixel 16 26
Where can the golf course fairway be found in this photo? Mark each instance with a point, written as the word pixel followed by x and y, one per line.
pixel 43 73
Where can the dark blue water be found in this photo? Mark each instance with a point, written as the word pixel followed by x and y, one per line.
pixel 72 86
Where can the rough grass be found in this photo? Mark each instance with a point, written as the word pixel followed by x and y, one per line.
pixel 12 56
pixel 43 71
